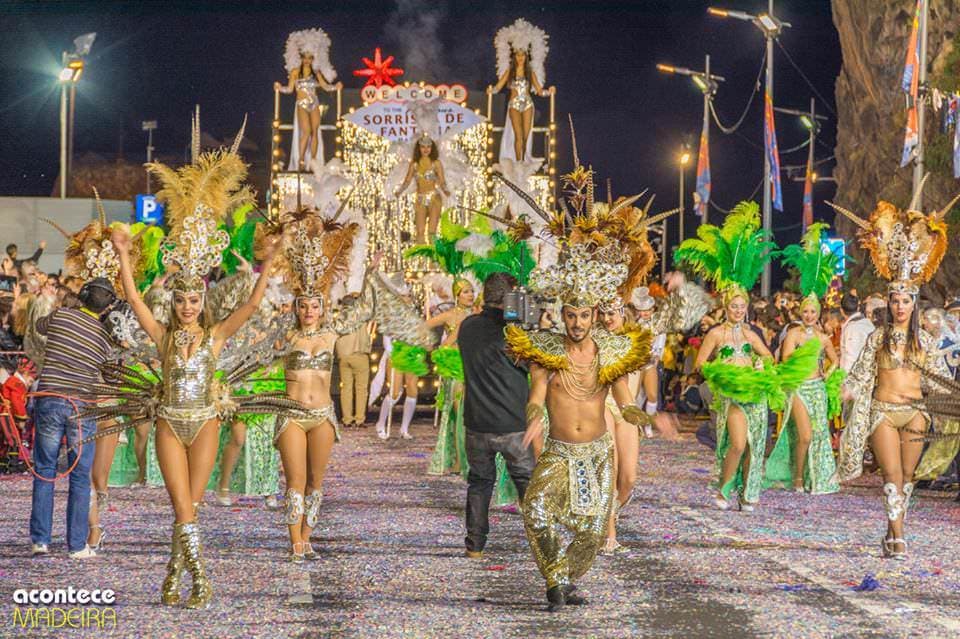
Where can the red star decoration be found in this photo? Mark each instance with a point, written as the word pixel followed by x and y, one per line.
pixel 378 71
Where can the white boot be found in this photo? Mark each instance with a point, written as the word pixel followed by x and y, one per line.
pixel 385 409
pixel 409 408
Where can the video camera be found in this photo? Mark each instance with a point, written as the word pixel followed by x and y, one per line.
pixel 524 308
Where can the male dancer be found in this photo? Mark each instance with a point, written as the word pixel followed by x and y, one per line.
pixel 571 374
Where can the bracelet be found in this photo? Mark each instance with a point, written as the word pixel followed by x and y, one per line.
pixel 534 411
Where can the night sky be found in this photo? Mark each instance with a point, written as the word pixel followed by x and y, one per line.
pixel 155 60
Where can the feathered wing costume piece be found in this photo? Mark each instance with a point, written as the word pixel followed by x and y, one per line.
pixel 906 248
pixel 732 256
pixel 816 265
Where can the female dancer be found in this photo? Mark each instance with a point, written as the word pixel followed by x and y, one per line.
pixel 431 182
pixel 803 455
pixel 515 46
pixel 887 382
pixel 188 416
pixel 733 357
pixel 449 453
pixel 307 59
pixel 305 442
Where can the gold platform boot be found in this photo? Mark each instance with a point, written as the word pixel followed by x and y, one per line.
pixel 202 591
pixel 170 591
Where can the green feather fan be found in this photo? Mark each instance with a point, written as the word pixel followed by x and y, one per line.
pixel 150 264
pixel 506 256
pixel 816 266
pixel 732 254
pixel 241 233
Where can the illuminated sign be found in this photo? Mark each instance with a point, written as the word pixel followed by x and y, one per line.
pixel 392 120
pixel 149 210
pixel 452 92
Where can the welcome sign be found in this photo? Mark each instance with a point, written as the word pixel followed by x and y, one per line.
pixel 393 120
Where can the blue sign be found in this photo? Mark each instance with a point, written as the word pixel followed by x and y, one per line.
pixel 149 210
pixel 838 247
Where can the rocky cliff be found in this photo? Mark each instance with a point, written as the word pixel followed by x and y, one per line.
pixel 870 123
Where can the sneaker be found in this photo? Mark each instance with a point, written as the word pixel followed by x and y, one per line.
pixel 224 498
pixel 39 549
pixel 86 553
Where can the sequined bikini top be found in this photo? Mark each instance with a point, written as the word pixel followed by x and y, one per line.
pixel 729 351
pixel 429 174
pixel 188 383
pixel 307 85
pixel 521 86
pixel 298 360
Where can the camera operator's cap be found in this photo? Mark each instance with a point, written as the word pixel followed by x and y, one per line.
pixel 101 283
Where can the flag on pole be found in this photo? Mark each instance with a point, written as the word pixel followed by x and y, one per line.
pixel 703 174
pixel 808 192
pixel 955 116
pixel 770 146
pixel 911 86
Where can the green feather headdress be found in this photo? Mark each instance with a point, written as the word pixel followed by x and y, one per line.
pixel 241 231
pixel 816 266
pixel 443 251
pixel 732 255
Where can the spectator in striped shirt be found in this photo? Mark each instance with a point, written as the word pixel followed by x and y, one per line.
pixel 77 346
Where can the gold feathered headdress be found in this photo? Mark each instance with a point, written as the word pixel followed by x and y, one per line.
pixel 89 252
pixel 316 253
pixel 198 197
pixel 604 251
pixel 905 246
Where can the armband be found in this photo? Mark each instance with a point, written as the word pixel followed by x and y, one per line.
pixel 534 411
pixel 632 414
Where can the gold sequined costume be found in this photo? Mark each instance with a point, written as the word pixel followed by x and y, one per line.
pixel 572 483
pixel 571 487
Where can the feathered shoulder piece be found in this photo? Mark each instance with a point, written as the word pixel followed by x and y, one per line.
pixel 905 246
pixel 731 255
pixel 521 35
pixel 619 354
pixel 815 263
pixel 544 348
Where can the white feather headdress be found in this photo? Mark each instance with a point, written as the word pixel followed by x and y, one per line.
pixel 315 42
pixel 522 35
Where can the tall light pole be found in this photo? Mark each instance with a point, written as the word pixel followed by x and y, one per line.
pixel 149 126
pixel 683 160
pixel 708 83
pixel 921 110
pixel 771 28
pixel 72 69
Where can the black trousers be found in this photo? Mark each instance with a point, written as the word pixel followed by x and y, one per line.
pixel 482 449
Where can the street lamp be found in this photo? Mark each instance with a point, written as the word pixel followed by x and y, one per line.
pixel 708 83
pixel 683 161
pixel 73 64
pixel 771 27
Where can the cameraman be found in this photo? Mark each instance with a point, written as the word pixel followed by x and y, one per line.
pixel 495 399
pixel 78 344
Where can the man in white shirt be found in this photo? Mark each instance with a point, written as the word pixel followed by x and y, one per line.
pixel 854 331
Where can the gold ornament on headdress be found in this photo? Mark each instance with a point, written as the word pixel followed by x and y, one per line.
pixel 198 197
pixel 317 255
pixel 604 248
pixel 905 246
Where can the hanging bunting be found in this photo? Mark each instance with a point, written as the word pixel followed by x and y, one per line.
pixel 911 86
pixel 702 195
pixel 770 146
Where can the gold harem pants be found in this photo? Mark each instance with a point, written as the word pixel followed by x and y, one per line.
pixel 572 487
